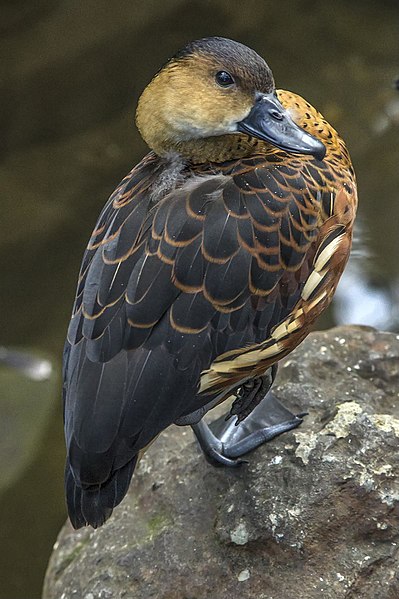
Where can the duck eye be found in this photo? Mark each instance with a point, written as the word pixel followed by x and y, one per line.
pixel 224 79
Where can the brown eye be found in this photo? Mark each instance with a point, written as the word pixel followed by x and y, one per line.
pixel 224 79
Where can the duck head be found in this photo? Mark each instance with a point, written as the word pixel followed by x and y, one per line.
pixel 212 101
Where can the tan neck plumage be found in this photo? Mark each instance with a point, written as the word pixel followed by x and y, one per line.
pixel 218 149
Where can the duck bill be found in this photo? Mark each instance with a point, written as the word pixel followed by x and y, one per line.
pixel 271 122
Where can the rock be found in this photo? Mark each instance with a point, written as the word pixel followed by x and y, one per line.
pixel 314 513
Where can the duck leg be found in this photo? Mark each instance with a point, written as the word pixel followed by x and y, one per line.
pixel 258 418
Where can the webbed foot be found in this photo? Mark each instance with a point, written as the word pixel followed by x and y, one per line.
pixel 223 443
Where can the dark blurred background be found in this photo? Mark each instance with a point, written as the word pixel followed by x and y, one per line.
pixel 71 73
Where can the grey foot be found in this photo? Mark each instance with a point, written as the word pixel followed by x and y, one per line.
pixel 225 443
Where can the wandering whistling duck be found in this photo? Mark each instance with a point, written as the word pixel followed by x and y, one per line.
pixel 208 264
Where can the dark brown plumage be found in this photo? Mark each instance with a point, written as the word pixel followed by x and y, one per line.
pixel 200 274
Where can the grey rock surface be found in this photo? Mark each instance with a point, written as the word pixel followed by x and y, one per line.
pixel 315 513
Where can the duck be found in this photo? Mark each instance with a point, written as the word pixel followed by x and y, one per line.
pixel 208 264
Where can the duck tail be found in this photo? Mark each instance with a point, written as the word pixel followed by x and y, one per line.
pixel 93 505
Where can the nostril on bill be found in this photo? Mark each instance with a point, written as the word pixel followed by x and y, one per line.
pixel 276 115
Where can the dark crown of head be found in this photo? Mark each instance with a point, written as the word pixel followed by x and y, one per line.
pixel 239 60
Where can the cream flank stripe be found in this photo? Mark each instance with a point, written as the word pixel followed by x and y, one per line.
pixel 218 370
pixel 211 377
pixel 319 272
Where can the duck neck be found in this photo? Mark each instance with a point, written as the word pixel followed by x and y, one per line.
pixel 218 149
